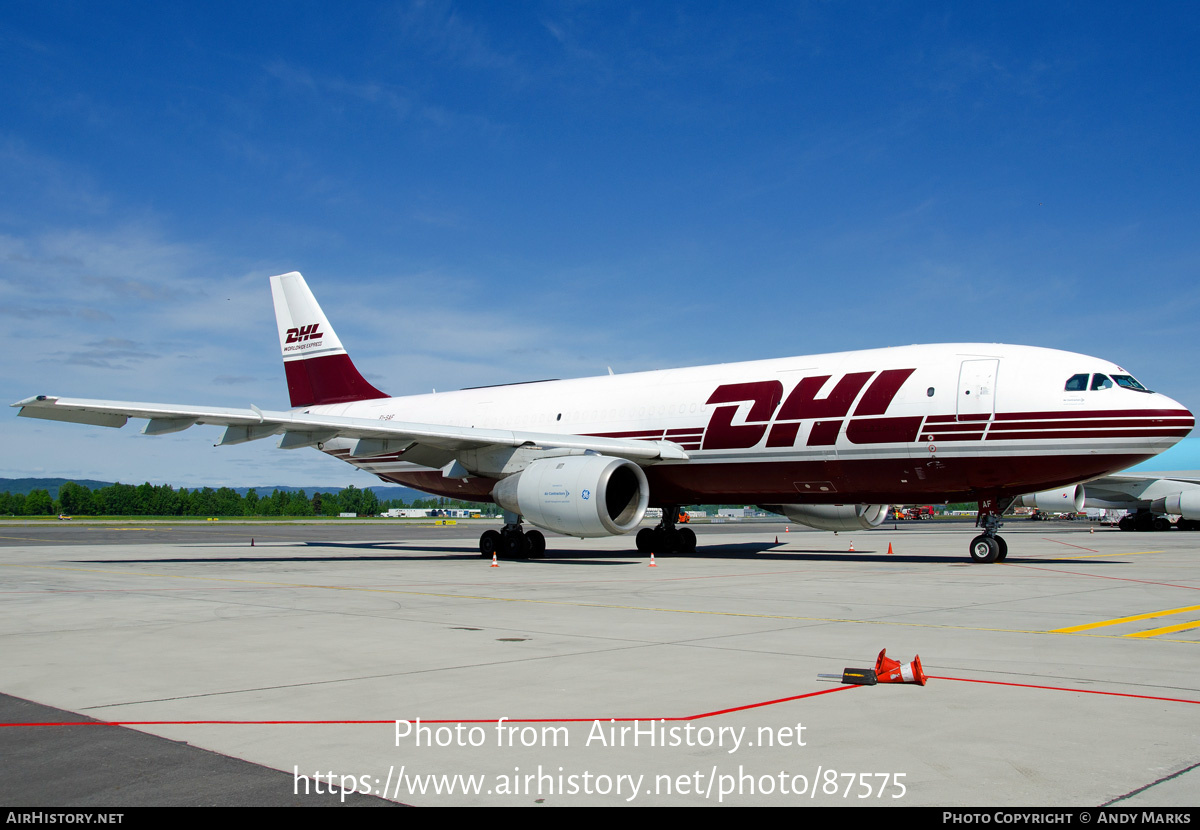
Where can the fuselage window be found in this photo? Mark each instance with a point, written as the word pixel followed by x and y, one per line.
pixel 1101 382
pixel 1077 383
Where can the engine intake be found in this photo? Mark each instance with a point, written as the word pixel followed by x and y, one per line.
pixel 834 516
pixel 583 495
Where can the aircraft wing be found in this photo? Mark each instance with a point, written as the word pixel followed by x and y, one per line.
pixel 302 429
pixel 1128 480
pixel 1161 492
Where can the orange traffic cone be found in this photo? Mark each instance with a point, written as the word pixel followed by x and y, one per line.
pixel 495 564
pixel 787 528
pixel 852 546
pixel 888 670
pixel 251 541
pixel 889 549
pixel 777 540
pixel 652 565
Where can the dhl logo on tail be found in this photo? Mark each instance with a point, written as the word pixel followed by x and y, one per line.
pixel 299 335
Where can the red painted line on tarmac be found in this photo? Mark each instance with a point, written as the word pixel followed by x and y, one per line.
pixel 1102 576
pixel 711 714
pixel 1068 544
pixel 701 716
pixel 1065 689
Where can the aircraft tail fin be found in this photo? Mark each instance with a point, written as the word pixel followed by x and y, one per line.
pixel 318 369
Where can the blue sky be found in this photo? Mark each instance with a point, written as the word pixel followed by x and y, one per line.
pixel 483 193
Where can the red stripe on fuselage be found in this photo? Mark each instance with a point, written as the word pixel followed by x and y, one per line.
pixel 1096 413
pixel 1094 422
pixel 869 481
pixel 1047 435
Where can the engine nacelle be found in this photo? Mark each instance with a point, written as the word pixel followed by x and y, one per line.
pixel 1067 500
pixel 834 516
pixel 581 495
pixel 1185 504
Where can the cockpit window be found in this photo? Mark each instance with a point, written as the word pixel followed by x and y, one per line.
pixel 1077 383
pixel 1128 382
pixel 1101 382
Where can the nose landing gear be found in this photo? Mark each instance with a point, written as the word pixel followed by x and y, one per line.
pixel 988 546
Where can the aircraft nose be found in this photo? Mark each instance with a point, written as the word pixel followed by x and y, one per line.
pixel 1176 414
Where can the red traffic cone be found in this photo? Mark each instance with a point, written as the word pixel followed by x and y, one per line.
pixel 777 540
pixel 251 541
pixel 889 549
pixel 787 528
pixel 495 564
pixel 652 565
pixel 888 670
pixel 852 546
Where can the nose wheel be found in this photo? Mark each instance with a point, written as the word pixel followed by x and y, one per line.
pixel 986 549
pixel 988 546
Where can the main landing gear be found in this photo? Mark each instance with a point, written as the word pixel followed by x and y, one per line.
pixel 1146 520
pixel 988 546
pixel 511 542
pixel 665 537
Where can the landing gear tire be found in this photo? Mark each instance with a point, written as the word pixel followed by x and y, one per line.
pixel 687 540
pixel 665 537
pixel 1003 554
pixel 663 540
pixel 1126 523
pixel 984 549
pixel 489 543
pixel 645 540
pixel 516 546
pixel 666 540
pixel 537 544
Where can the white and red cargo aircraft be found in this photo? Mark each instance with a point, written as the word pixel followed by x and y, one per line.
pixel 827 440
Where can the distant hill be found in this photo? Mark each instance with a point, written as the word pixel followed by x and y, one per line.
pixel 25 485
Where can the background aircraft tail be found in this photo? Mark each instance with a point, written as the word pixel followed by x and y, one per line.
pixel 318 369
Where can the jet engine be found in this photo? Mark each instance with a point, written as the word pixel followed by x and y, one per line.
pixel 1068 500
pixel 834 516
pixel 1185 504
pixel 580 495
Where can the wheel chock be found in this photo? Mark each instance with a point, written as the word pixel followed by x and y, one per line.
pixel 855 677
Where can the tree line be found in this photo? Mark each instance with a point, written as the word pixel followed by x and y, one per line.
pixel 164 500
